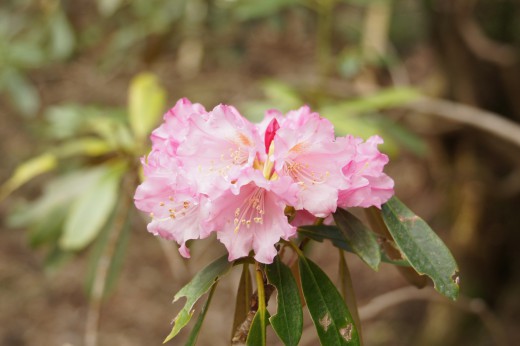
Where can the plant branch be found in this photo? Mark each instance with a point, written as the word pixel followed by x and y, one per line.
pixel 475 117
pixel 406 294
pixel 264 289
pixel 102 269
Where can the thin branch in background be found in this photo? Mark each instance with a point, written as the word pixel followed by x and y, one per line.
pixel 475 117
pixel 101 274
pixel 375 29
pixel 477 41
pixel 406 294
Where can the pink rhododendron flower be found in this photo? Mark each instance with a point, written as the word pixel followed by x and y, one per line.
pixel 306 151
pixel 367 185
pixel 251 216
pixel 216 172
pixel 177 211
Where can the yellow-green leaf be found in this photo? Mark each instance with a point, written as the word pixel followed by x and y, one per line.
pixel 91 211
pixel 26 171
pixel 146 103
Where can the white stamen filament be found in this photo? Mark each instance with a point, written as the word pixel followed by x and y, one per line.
pixel 175 209
pixel 301 173
pixel 252 210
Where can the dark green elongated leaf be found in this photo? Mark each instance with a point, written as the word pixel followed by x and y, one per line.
pixel 199 285
pixel 321 232
pixel 288 321
pixel 347 291
pixel 390 250
pixel 194 334
pixel 91 211
pixel 256 335
pixel 422 247
pixel 334 234
pixel 245 289
pixel 359 237
pixel 330 315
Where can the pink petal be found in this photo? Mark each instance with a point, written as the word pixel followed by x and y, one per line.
pixel 217 148
pixel 252 218
pixel 367 184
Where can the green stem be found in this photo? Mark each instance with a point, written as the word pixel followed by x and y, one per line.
pixel 261 298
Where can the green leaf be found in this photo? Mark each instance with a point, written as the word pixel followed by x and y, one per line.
pixel 55 258
pixel 334 234
pixel 194 334
pixel 57 194
pixel 243 300
pixel 364 127
pixel 347 291
pixel 402 136
pixel 322 232
pixel 199 285
pixel 91 211
pixel 288 321
pixel 282 95
pixel 359 237
pixel 422 247
pixel 115 261
pixel 62 40
pixel 146 104
pixel 252 9
pixel 256 336
pixel 26 171
pixel 386 98
pixel 108 7
pixel 22 93
pixel 89 146
pixel 49 229
pixel 329 313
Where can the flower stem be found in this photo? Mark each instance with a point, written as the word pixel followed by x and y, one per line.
pixel 261 297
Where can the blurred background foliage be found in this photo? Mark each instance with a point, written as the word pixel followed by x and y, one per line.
pixel 82 83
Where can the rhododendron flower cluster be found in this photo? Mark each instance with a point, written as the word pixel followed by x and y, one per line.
pixel 218 172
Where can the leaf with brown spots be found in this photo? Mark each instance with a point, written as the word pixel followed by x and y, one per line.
pixel 422 247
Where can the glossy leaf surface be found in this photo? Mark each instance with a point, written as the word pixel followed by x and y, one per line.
pixel 288 320
pixel 360 238
pixel 199 285
pixel 422 247
pixel 329 313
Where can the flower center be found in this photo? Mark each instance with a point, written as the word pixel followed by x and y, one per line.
pixel 175 209
pixel 252 210
pixel 303 175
